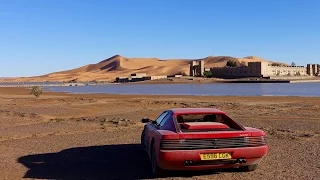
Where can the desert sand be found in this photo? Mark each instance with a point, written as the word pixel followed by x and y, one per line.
pixel 64 136
pixel 120 66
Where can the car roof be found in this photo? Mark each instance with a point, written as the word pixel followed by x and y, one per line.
pixel 196 110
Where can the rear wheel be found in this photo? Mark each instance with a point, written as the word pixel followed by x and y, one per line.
pixel 249 168
pixel 156 170
pixel 142 140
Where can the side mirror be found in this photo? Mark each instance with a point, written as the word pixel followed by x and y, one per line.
pixel 145 120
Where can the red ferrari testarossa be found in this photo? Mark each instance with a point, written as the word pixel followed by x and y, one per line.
pixel 201 139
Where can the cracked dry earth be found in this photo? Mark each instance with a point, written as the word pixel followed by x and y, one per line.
pixel 61 136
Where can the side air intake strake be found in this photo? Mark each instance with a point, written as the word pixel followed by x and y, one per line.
pixel 191 144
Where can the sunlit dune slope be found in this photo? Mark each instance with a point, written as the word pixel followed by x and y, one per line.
pixel 115 66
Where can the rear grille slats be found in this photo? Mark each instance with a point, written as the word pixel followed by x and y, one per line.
pixel 217 143
pixel 195 143
pixel 202 145
pixel 209 140
pixel 190 144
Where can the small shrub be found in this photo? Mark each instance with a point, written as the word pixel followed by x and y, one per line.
pixel 207 74
pixel 231 63
pixel 36 91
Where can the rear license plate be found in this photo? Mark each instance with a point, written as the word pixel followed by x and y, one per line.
pixel 215 156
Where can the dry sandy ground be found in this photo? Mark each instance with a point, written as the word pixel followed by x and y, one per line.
pixel 61 136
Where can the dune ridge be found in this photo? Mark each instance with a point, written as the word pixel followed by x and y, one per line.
pixel 119 66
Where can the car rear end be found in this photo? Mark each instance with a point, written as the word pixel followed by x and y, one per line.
pixel 209 139
pixel 210 153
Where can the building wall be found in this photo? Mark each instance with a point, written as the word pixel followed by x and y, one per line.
pixel 284 71
pixel 312 69
pixel 196 68
pixel 138 78
pixel 176 75
pixel 122 79
pixel 139 74
pixel 309 69
pixel 157 77
pixel 252 70
pixel 201 67
pixel 258 69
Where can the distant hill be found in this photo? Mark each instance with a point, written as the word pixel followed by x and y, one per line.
pixel 109 69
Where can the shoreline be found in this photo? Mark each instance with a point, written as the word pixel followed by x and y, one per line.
pixel 159 81
pixel 179 95
pixel 46 92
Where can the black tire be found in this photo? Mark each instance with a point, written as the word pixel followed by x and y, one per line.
pixel 142 141
pixel 156 170
pixel 249 168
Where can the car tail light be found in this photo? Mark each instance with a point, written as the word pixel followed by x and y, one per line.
pixel 256 141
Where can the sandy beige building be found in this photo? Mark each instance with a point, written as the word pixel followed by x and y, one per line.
pixel 313 69
pixel 261 69
pixel 135 77
pixel 197 68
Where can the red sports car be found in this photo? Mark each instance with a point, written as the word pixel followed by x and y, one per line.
pixel 201 139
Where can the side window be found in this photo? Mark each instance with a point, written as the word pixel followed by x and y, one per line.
pixel 165 119
pixel 159 119
pixel 168 124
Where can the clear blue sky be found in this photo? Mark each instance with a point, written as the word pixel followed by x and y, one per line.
pixel 43 36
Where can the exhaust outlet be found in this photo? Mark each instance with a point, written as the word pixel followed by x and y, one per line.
pixel 241 161
pixel 188 163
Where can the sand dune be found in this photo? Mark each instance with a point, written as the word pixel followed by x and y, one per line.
pixel 109 69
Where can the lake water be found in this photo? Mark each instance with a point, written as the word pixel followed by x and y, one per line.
pixel 217 89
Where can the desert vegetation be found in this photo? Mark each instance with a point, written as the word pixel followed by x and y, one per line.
pixel 36 91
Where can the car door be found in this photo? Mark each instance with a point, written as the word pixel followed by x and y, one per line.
pixel 153 127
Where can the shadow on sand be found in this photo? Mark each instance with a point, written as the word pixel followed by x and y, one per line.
pixel 123 161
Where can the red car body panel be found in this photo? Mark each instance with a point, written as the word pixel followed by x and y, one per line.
pixel 173 160
pixel 177 111
pixel 170 134
pixel 204 125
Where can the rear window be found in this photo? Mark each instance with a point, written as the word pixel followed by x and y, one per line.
pixel 218 118
pixel 202 118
